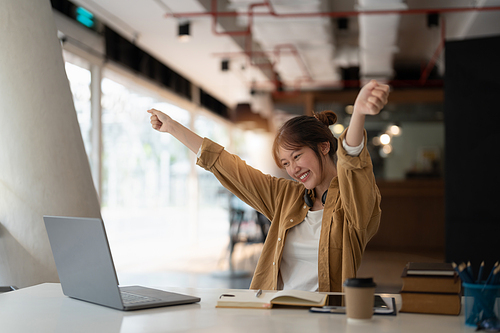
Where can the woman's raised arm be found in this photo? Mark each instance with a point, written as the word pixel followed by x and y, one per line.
pixel 371 99
pixel 163 123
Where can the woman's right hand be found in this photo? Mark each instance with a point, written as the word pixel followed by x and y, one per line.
pixel 159 120
pixel 163 123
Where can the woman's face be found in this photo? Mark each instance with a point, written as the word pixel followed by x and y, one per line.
pixel 302 165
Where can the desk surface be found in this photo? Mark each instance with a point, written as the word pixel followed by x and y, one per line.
pixel 44 308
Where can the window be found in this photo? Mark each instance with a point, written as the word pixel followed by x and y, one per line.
pixel 78 73
pixel 213 198
pixel 149 180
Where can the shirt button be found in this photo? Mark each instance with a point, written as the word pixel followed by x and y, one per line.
pixel 274 263
pixel 305 206
pixel 291 220
pixel 279 239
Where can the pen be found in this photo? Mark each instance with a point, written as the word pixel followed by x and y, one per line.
pixel 258 293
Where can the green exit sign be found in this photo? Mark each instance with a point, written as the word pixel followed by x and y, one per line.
pixel 85 17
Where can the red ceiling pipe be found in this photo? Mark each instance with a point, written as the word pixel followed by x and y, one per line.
pixel 279 50
pixel 336 14
pixel 247 33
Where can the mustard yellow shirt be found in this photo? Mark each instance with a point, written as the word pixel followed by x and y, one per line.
pixel 351 214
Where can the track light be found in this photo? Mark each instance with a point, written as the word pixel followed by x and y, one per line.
pixel 343 23
pixel 224 65
pixel 184 35
pixel 433 20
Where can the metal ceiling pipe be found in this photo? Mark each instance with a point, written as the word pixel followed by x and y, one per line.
pixel 372 45
pixel 406 11
pixel 247 33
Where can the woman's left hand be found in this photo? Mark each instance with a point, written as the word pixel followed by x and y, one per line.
pixel 371 98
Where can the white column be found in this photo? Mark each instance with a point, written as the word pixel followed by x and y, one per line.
pixel 43 165
pixel 96 115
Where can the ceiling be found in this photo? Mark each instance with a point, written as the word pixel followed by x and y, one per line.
pixel 287 46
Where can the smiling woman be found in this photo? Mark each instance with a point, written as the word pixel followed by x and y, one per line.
pixel 306 149
pixel 321 220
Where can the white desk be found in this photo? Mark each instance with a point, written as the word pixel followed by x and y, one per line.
pixel 44 308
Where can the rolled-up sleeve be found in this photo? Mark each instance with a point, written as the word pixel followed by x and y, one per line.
pixel 208 154
pixel 358 188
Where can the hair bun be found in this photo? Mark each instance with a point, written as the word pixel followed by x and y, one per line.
pixel 327 117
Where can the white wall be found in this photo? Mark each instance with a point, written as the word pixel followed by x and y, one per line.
pixel 43 166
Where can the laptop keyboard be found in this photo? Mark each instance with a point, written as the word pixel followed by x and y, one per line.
pixel 129 298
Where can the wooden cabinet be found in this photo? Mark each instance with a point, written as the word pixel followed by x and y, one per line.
pixel 413 216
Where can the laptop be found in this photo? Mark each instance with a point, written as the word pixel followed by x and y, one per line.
pixel 86 270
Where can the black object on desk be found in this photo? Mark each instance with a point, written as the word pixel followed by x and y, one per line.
pixel 4 289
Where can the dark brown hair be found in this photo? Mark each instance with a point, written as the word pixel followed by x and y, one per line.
pixel 306 131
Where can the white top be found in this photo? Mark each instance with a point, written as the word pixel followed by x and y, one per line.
pixel 299 265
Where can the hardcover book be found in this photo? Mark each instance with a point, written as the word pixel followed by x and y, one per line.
pixel 431 303
pixel 430 268
pixel 430 283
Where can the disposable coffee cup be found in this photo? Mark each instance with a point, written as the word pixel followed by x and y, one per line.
pixel 359 298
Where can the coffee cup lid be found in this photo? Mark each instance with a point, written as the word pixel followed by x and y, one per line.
pixel 360 283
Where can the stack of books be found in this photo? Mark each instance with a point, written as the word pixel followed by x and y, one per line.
pixel 432 288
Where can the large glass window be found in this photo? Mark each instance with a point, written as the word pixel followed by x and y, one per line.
pixel 213 198
pixel 145 192
pixel 149 180
pixel 141 167
pixel 78 73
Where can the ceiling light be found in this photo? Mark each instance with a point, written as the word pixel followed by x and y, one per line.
pixel 385 139
pixel 338 129
pixel 387 149
pixel 184 35
pixel 224 65
pixel 249 120
pixel 342 23
pixel 395 130
pixel 433 20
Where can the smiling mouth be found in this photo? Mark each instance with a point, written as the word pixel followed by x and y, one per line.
pixel 304 175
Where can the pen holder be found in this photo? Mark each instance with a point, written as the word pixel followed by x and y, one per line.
pixel 482 301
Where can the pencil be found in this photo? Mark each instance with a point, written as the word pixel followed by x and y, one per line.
pixel 460 269
pixel 491 277
pixel 494 276
pixel 480 273
pixel 463 268
pixel 469 270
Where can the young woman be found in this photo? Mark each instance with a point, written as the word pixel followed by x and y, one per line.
pixel 321 220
